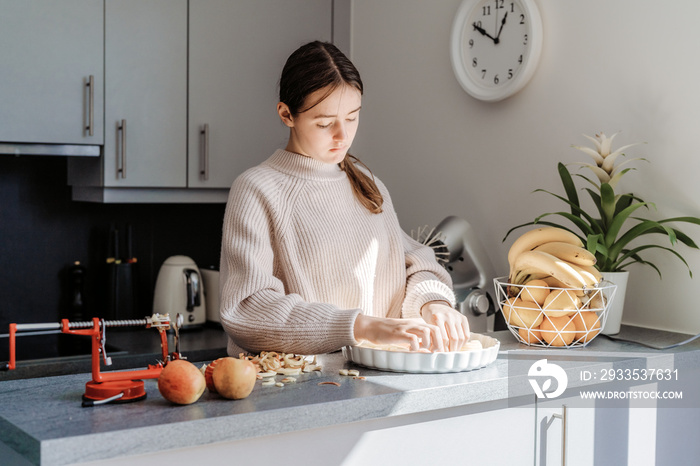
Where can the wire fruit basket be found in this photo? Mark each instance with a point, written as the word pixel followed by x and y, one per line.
pixel 538 314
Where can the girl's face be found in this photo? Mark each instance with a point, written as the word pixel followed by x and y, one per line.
pixel 326 131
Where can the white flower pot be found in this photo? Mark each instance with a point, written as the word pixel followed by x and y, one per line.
pixel 616 306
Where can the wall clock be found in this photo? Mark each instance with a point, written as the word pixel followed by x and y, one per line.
pixel 495 46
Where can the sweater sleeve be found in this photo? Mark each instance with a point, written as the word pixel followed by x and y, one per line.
pixel 256 313
pixel 426 279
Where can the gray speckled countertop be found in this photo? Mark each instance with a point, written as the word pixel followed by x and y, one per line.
pixel 42 418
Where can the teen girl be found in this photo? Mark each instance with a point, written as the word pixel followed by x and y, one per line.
pixel 313 257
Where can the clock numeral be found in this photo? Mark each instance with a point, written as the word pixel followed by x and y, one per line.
pixel 495 79
pixel 520 59
pixel 483 74
pixel 486 9
pixel 474 62
pixel 512 7
pixel 471 43
pixel 525 40
pixel 510 73
pixel 522 19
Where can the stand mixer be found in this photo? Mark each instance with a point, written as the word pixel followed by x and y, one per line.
pixel 457 247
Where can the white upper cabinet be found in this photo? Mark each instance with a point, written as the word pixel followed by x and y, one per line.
pixel 178 97
pixel 48 61
pixel 145 93
pixel 237 50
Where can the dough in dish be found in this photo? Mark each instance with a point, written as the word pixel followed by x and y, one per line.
pixel 397 358
pixel 471 345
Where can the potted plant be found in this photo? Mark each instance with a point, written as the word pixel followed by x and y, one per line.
pixel 609 231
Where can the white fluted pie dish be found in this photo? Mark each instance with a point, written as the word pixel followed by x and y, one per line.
pixel 414 362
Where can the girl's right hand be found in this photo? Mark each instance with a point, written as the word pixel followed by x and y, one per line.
pixel 419 335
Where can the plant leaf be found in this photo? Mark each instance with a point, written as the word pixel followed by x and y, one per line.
pixel 583 226
pixel 617 169
pixel 596 201
pixel 569 188
pixel 694 220
pixel 551 224
pixel 578 209
pixel 592 242
pixel 617 175
pixel 639 261
pixel 607 205
pixel 680 236
pixel 618 222
pixel 597 158
pixel 595 141
pixel 634 253
pixel 587 179
pixel 624 201
pixel 639 229
pixel 515 228
pixel 602 175
pixel 601 248
pixel 535 222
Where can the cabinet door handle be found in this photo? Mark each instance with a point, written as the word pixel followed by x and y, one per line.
pixel 121 160
pixel 90 85
pixel 562 416
pixel 204 154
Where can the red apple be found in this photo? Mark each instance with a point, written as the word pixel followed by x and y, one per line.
pixel 208 375
pixel 234 378
pixel 181 382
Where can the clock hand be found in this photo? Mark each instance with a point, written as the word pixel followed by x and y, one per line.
pixel 484 33
pixel 503 22
pixel 496 8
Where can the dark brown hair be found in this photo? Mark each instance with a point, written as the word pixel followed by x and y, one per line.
pixel 320 65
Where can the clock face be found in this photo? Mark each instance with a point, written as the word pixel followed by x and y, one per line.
pixel 495 46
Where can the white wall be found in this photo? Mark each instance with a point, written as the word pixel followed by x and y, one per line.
pixel 620 65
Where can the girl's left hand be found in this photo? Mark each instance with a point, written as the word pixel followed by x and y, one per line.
pixel 452 324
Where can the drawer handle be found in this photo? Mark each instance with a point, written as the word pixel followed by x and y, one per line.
pixel 204 153
pixel 121 160
pixel 562 416
pixel 90 85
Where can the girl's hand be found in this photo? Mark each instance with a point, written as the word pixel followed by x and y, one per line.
pixel 454 327
pixel 418 334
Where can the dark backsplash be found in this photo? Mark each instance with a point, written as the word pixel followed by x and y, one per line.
pixel 43 232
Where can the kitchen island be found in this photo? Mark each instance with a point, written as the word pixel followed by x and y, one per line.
pixel 42 421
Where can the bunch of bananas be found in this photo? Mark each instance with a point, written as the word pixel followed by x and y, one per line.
pixel 552 296
pixel 554 255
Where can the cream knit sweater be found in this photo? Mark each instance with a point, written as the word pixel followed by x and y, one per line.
pixel 301 258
